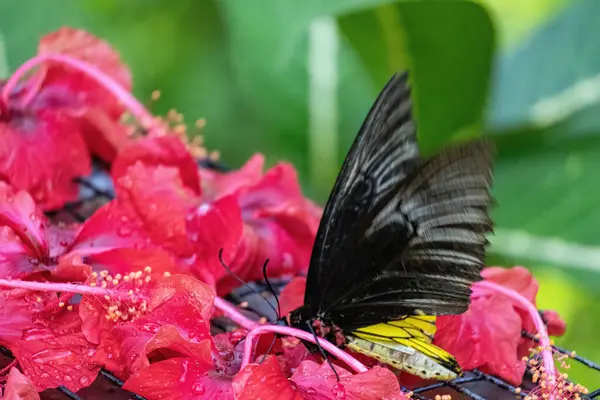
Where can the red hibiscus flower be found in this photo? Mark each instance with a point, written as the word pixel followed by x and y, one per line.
pixel 250 215
pixel 32 247
pixel 492 326
pixel 279 222
pixel 314 381
pixel 173 320
pixel 169 353
pixel 60 112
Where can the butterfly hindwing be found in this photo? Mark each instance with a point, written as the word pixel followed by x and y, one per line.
pixel 406 344
pixel 444 205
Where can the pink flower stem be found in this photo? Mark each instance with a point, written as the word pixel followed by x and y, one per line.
pixel 142 115
pixel 329 347
pixel 232 312
pixel 65 287
pixel 547 359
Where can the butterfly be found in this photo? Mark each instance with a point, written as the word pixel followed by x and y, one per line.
pixel 401 241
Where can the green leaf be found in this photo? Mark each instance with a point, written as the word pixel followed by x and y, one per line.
pixel 547 195
pixel 451 67
pixel 545 121
pixel 269 49
pixel 4 70
pixel 553 74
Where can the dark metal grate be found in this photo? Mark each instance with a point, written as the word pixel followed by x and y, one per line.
pixel 97 189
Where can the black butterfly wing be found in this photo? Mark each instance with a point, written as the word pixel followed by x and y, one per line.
pixel 445 205
pixel 400 236
pixel 383 153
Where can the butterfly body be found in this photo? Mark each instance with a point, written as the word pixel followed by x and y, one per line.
pixel 402 239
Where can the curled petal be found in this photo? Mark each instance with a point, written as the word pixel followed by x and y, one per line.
pixel 168 151
pixel 179 379
pixel 160 202
pixel 19 387
pixel 316 381
pixel 263 381
pixel 492 327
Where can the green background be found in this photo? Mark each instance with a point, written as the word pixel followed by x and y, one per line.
pixel 294 79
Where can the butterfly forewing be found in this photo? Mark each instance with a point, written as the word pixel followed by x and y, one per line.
pixel 383 153
pixel 399 235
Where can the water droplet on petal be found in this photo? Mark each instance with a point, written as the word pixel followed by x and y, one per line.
pixel 338 391
pixel 67 378
pixel 45 375
pixel 198 388
pixel 124 231
pixel 84 380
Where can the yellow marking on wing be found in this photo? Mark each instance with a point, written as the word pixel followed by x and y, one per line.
pixel 415 332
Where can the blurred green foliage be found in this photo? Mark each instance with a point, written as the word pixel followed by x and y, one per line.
pixel 295 79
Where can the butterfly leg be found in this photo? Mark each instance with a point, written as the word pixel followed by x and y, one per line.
pixel 312 330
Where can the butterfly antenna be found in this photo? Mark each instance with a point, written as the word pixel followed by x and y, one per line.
pixel 264 271
pixel 240 280
pixel 312 330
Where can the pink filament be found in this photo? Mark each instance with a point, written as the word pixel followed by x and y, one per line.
pixel 64 287
pixel 232 312
pixel 341 354
pixel 127 99
pixel 547 359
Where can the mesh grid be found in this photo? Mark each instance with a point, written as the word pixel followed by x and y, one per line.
pixel 97 189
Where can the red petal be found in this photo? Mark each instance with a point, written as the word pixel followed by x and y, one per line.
pixel 492 328
pixel 179 379
pixel 19 212
pixel 50 179
pixel 15 259
pixel 518 279
pixel 112 226
pixel 168 151
pixel 185 302
pixel 161 203
pixel 120 261
pixel 104 134
pixel 17 309
pixel 278 185
pixel 176 323
pixel 126 260
pixel 292 295
pixel 263 381
pixel 54 352
pixel 316 381
pixel 121 350
pixel 522 281
pixel 294 352
pixel 71 268
pixel 86 47
pixel 19 387
pixel 229 349
pixel 213 227
pixel 280 225
pixel 61 80
pixel 82 96
pixel 218 184
pixel 556 325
